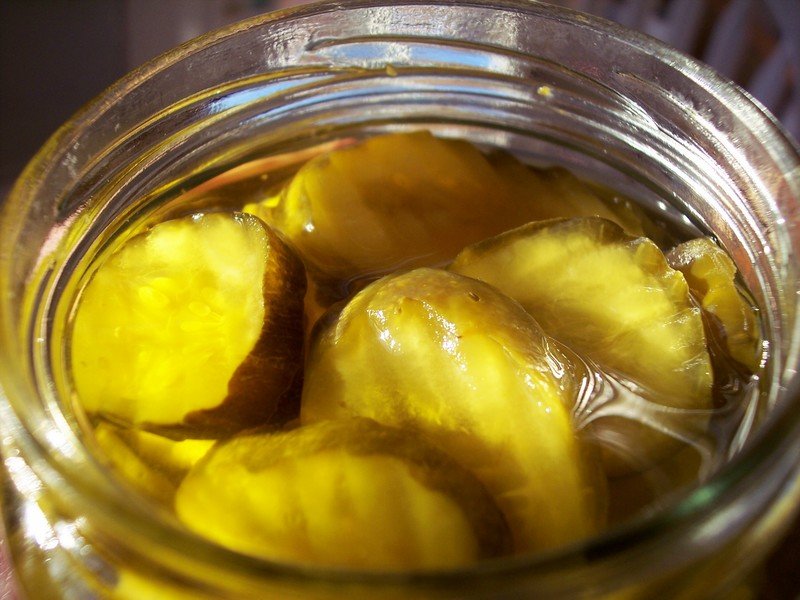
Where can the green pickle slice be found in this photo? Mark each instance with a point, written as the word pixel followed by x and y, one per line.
pixel 412 199
pixel 349 493
pixel 193 329
pixel 452 358
pixel 613 299
pixel 711 276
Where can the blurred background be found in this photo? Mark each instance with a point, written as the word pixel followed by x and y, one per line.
pixel 55 55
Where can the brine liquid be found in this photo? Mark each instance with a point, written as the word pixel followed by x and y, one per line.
pixel 705 438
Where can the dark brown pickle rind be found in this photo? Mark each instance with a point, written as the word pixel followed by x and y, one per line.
pixel 154 339
pixel 267 386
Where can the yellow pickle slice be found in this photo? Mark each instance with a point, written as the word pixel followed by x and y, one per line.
pixel 711 276
pixel 557 193
pixel 348 493
pixel 152 464
pixel 450 357
pixel 411 199
pixel 613 299
pixel 193 328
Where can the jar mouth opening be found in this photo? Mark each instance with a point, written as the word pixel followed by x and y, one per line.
pixel 669 521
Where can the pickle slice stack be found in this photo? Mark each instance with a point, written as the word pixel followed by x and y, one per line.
pixel 414 356
pixel 411 199
pixel 614 299
pixel 452 358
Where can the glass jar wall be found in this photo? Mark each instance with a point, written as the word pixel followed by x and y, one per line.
pixel 551 86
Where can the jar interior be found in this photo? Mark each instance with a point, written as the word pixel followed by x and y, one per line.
pixel 541 129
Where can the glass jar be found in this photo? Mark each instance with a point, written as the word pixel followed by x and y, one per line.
pixel 548 84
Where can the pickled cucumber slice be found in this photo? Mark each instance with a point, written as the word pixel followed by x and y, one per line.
pixel 450 357
pixel 136 472
pixel 349 493
pixel 560 194
pixel 612 298
pixel 711 276
pixel 411 199
pixel 192 329
pixel 152 464
pixel 132 584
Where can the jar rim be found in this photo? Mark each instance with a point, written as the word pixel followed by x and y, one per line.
pixel 773 437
